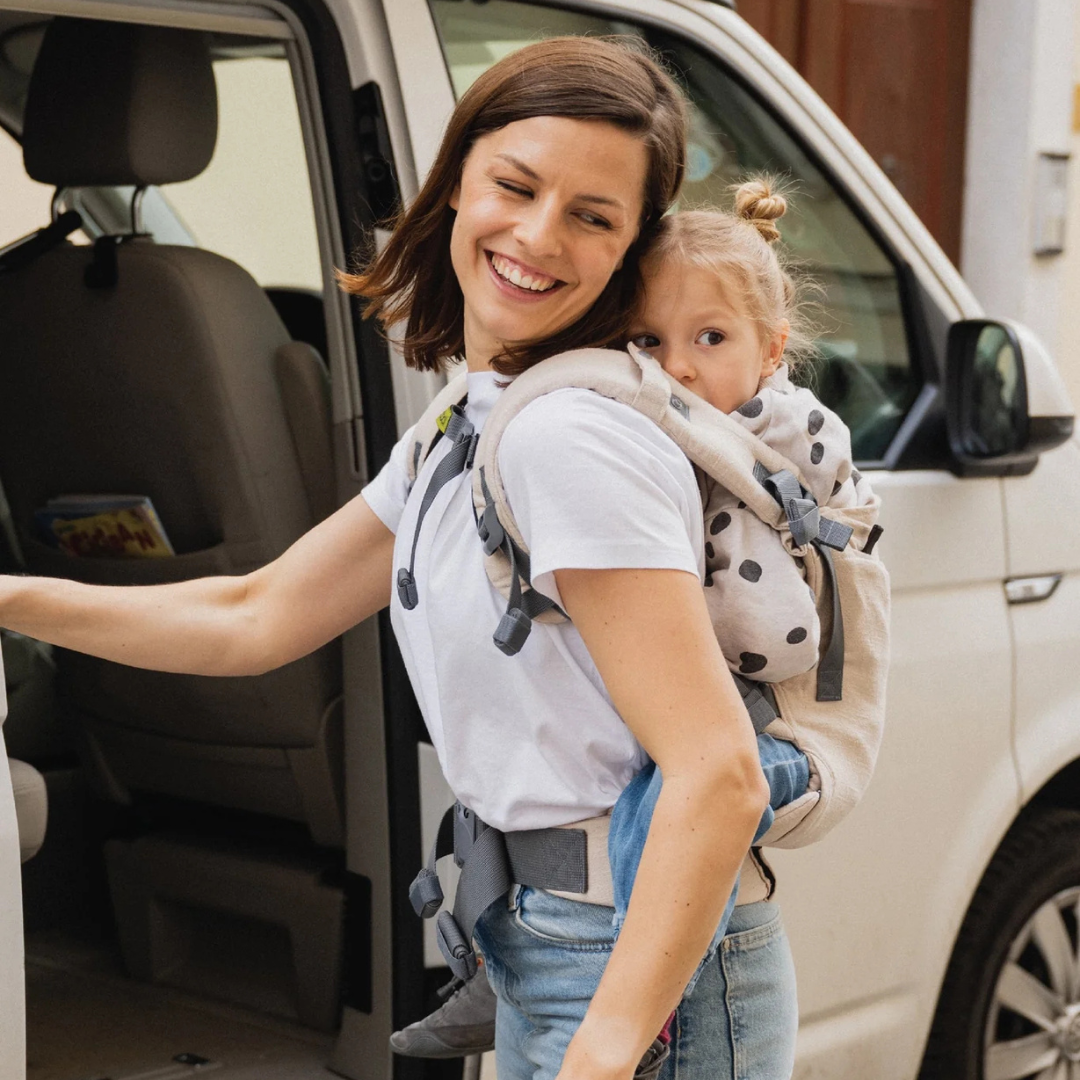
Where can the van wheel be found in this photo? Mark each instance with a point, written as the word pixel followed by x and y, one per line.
pixel 1010 1004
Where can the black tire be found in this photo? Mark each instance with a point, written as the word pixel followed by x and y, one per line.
pixel 977 1034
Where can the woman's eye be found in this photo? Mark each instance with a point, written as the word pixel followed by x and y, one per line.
pixel 710 337
pixel 594 219
pixel 645 341
pixel 513 188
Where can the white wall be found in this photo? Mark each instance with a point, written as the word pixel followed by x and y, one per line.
pixel 1023 61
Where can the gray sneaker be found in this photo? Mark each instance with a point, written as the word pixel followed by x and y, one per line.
pixel 650 1065
pixel 464 1025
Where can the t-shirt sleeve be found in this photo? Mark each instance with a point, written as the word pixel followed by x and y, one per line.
pixel 593 484
pixel 387 493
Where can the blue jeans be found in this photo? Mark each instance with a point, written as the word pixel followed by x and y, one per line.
pixel 788 774
pixel 544 956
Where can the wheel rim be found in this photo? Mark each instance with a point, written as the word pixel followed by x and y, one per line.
pixel 1033 1026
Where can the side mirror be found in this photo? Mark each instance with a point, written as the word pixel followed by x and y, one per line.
pixel 1005 401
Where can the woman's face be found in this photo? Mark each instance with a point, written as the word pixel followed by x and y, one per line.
pixel 546 209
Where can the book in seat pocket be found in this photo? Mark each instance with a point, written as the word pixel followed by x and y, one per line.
pixel 103 526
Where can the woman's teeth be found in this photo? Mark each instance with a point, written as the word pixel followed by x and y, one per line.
pixel 509 272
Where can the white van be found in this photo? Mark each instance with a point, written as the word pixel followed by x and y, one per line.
pixel 222 883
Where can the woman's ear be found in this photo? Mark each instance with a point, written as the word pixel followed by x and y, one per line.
pixel 455 197
pixel 775 353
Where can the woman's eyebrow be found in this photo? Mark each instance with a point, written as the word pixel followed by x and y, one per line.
pixel 601 200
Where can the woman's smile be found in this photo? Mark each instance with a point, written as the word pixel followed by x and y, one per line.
pixel 521 278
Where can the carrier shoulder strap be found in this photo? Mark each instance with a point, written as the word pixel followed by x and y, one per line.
pixel 431 426
pixel 711 439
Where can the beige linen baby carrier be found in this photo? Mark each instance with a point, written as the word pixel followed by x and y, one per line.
pixel 835 712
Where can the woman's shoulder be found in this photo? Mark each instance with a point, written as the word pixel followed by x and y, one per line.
pixel 573 418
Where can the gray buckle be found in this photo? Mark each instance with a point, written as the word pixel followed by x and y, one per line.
pixel 490 530
pixel 467 830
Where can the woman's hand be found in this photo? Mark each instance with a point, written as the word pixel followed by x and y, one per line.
pixel 650 636
pixel 332 578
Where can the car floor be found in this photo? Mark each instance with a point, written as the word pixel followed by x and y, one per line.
pixel 86 1020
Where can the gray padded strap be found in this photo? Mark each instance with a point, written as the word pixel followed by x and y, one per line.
pixel 830 676
pixel 549 859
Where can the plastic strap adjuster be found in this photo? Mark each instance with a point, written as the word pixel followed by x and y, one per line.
pixel 425 893
pixel 512 632
pixel 406 587
pixel 454 946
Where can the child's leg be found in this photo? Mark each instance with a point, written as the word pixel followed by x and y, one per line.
pixel 787 772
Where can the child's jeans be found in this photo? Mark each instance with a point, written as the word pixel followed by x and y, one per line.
pixel 788 774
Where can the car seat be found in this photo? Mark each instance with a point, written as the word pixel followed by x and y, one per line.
pixel 143 369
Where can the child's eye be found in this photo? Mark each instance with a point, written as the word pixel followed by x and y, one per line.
pixel 710 337
pixel 645 341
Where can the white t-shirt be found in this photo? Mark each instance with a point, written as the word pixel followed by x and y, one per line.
pixel 532 741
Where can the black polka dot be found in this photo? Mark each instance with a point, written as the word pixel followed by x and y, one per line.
pixel 815 421
pixel 710 551
pixel 708 581
pixel 750 570
pixel 796 636
pixel 856 476
pixel 817 452
pixel 753 407
pixel 720 523
pixel 751 662
pixel 742 505
pixel 836 488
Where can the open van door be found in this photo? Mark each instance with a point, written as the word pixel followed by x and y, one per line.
pixel 12 993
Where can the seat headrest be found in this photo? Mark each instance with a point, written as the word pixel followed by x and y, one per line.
pixel 111 103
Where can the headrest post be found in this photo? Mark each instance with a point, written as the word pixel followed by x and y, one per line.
pixel 136 210
pixel 57 202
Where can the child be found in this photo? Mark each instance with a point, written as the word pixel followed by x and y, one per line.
pixel 720 314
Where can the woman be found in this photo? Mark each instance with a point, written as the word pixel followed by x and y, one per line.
pixel 554 167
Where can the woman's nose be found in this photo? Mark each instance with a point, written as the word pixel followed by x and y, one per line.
pixel 539 229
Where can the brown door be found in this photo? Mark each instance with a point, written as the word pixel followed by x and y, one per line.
pixel 895 71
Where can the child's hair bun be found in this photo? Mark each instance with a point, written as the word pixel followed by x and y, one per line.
pixel 759 203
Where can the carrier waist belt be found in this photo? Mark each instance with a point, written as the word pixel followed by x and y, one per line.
pixel 491 862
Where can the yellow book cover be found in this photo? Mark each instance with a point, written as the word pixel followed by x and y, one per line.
pixel 133 531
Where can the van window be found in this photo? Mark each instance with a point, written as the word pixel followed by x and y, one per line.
pixel 252 204
pixel 864 369
pixel 25 205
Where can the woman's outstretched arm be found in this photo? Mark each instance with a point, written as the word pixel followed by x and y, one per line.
pixel 332 578
pixel 649 634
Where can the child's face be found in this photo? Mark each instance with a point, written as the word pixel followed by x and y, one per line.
pixel 702 338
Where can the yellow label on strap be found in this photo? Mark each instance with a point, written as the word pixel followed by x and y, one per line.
pixel 444 419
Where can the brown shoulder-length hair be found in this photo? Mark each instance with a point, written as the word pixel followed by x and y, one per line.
pixel 614 80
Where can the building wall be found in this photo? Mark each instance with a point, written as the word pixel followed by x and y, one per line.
pixel 1024 55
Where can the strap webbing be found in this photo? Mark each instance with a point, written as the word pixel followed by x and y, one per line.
pixel 460 458
pixel 521 607
pixel 24 252
pixel 808 527
pixel 759 700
